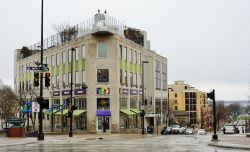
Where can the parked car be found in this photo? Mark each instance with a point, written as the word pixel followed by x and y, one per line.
pixel 183 130
pixel 202 132
pixel 175 129
pixel 230 129
pixel 166 131
pixel 189 131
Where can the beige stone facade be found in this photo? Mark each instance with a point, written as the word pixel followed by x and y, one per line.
pixel 110 65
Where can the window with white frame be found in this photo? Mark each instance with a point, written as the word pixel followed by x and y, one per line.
pixel 84 76
pixel 69 78
pixel 76 77
pixel 52 60
pixel 69 55
pixel 64 57
pixel 131 79
pixel 131 55
pixel 83 51
pixel 120 51
pixel 135 57
pixel 57 59
pixel 135 79
pixel 139 58
pixel 76 54
pixel 64 80
pixel 125 53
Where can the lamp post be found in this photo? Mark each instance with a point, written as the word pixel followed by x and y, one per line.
pixel 40 116
pixel 71 96
pixel 168 113
pixel 142 103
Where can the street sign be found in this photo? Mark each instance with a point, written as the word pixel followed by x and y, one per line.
pixel 35 107
pixel 38 69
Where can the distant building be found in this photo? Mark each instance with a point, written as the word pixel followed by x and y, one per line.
pixel 190 102
pixel 108 60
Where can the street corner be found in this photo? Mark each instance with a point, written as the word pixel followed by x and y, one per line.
pixel 222 144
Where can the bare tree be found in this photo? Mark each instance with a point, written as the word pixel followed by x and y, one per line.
pixel 66 32
pixel 9 104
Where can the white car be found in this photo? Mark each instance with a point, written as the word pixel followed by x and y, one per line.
pixel 230 129
pixel 202 132
pixel 189 131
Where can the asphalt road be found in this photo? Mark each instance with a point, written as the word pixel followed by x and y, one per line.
pixel 128 143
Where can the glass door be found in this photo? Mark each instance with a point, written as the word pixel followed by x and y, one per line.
pixel 102 122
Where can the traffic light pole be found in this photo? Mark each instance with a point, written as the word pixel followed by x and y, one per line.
pixel 142 103
pixel 40 116
pixel 71 96
pixel 211 96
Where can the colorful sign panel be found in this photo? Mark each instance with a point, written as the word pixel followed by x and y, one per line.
pixel 103 91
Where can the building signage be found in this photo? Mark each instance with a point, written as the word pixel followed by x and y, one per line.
pixel 133 92
pixel 66 92
pixel 35 107
pixel 103 91
pixel 80 91
pixel 125 91
pixel 56 93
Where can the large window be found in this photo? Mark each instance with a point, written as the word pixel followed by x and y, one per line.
pixel 157 75
pixel 120 51
pixel 69 55
pixel 64 57
pixel 76 54
pixel 52 60
pixel 83 51
pixel 123 103
pixel 133 102
pixel 84 76
pixel 102 75
pixel 135 57
pixel 81 103
pixel 102 50
pixel 157 105
pixel 164 76
pixel 77 77
pixel 125 53
pixel 103 104
pixel 57 59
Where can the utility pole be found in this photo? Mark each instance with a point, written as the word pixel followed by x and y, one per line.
pixel 40 116
pixel 143 100
pixel 71 96
pixel 211 96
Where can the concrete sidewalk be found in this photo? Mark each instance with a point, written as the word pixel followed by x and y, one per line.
pixel 235 141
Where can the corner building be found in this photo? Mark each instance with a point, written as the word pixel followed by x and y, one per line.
pixel 107 73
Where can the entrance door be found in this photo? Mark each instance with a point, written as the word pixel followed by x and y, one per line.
pixel 101 122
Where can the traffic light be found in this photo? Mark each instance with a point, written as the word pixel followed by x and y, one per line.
pixel 36 79
pixel 47 79
pixel 46 103
pixel 142 113
pixel 211 95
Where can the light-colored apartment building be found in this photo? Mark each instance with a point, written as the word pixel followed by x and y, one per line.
pixel 107 58
pixel 188 103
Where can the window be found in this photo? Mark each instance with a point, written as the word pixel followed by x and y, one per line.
pixel 123 103
pixel 83 51
pixel 84 76
pixel 176 108
pixel 76 77
pixel 103 104
pixel 64 80
pixel 81 103
pixel 69 55
pixel 157 105
pixel 53 60
pixel 102 75
pixel 135 57
pixel 139 58
pixel 131 56
pixel 175 95
pixel 133 102
pixel 64 57
pixel 102 50
pixel 76 54
pixel 57 59
pixel 135 80
pixel 164 76
pixel 69 78
pixel 175 101
pixel 125 53
pixel 131 79
pixel 157 75
pixel 120 51
pixel 139 80
pixel 126 77
pixel 57 81
pixel 121 79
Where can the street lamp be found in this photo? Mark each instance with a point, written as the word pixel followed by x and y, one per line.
pixel 71 96
pixel 168 113
pixel 142 106
pixel 40 135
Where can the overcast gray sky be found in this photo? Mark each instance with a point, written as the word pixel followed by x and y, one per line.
pixel 207 42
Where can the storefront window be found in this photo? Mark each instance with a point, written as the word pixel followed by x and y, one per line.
pixel 103 104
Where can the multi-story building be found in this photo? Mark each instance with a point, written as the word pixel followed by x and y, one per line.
pixel 107 72
pixel 185 98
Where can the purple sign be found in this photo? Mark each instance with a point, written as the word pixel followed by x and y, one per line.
pixel 80 91
pixel 56 93
pixel 66 92
pixel 103 112
pixel 125 91
pixel 133 92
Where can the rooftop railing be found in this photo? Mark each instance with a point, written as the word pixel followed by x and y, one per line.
pixel 98 22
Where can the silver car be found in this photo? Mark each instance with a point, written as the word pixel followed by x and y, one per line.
pixel 189 131
pixel 202 132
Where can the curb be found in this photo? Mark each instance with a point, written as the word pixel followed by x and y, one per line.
pixel 20 143
pixel 227 145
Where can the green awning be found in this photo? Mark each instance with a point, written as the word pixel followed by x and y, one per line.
pixel 78 112
pixel 64 112
pixel 135 111
pixel 127 112
pixel 49 112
